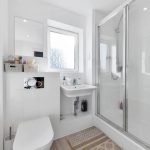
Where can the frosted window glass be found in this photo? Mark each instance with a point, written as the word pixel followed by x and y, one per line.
pixel 62 51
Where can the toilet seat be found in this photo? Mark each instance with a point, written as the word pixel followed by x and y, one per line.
pixel 34 135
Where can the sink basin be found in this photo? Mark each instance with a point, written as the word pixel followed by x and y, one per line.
pixel 77 90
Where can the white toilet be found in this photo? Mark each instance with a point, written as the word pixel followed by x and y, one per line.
pixel 34 135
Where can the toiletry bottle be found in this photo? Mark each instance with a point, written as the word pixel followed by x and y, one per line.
pixel 64 80
pixel 20 59
pixel 17 60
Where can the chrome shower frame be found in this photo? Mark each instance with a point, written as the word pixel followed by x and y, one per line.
pixel 125 8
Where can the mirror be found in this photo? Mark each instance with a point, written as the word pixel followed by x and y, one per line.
pixel 29 38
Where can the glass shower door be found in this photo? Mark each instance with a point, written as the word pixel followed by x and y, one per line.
pixel 111 73
pixel 138 74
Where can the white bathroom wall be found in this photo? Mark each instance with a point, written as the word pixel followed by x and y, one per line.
pixel 39 11
pixel 25 104
pixel 3 47
pixel 42 11
pixel 97 16
pixel 67 106
pixel 92 21
pixel 89 49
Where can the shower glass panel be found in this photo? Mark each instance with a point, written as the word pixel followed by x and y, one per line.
pixel 111 76
pixel 138 70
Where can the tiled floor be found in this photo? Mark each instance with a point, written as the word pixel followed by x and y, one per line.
pixel 89 139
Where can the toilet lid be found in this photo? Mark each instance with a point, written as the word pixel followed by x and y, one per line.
pixel 32 135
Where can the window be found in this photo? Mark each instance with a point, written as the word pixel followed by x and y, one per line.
pixel 63 49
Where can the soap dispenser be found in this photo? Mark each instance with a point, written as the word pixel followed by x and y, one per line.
pixel 64 80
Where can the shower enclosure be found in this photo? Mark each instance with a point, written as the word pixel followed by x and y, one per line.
pixel 123 76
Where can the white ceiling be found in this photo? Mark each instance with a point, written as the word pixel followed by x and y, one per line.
pixel 84 6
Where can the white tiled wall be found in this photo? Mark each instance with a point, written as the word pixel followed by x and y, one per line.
pixel 24 104
pixel 72 75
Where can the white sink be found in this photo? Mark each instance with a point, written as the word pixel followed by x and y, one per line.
pixel 77 90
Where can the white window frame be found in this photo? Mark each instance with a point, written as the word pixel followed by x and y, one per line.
pixel 76 49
